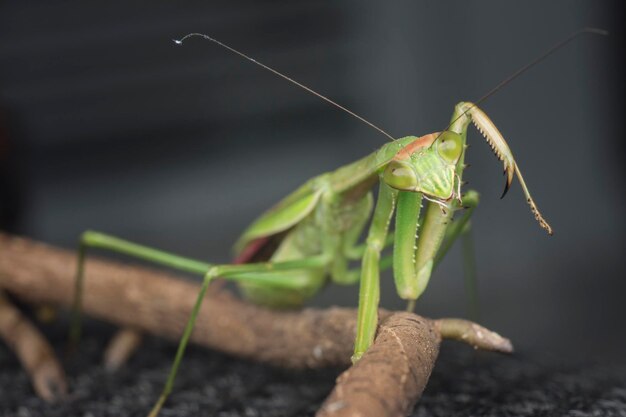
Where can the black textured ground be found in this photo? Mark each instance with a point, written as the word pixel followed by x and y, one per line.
pixel 464 383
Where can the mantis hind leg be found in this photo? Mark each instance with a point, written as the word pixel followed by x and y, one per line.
pixel 91 239
pixel 268 273
pixel 261 273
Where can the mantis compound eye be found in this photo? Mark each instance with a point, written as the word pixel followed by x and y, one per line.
pixel 400 176
pixel 450 146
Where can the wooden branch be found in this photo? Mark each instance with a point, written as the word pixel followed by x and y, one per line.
pixel 391 375
pixel 121 347
pixel 395 369
pixel 160 303
pixel 33 350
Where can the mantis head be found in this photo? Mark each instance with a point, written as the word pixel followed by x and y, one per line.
pixel 428 166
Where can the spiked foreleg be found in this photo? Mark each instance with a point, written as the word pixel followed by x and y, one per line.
pixel 431 236
pixel 437 233
pixel 407 217
pixel 465 112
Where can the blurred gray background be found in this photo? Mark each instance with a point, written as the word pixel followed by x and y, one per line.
pixel 107 124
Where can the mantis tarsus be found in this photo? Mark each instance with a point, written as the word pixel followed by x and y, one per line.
pixel 311 236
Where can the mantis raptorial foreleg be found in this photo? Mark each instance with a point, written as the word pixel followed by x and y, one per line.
pixel 405 259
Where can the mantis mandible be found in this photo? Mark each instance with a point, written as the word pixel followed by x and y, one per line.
pixel 310 237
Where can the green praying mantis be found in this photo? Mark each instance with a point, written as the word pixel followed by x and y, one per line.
pixel 311 236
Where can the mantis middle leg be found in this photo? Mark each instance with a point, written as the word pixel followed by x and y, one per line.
pixel 369 291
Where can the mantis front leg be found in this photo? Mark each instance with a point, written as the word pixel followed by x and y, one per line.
pixel 414 256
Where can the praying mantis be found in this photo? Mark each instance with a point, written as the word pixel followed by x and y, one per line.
pixel 310 238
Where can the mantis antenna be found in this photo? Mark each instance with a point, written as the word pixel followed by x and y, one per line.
pixel 491 92
pixel 280 74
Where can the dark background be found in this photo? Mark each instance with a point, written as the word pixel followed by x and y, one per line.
pixel 107 124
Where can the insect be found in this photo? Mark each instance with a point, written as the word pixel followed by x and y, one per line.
pixel 310 237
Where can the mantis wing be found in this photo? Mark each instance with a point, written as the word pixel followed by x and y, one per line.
pixel 284 215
